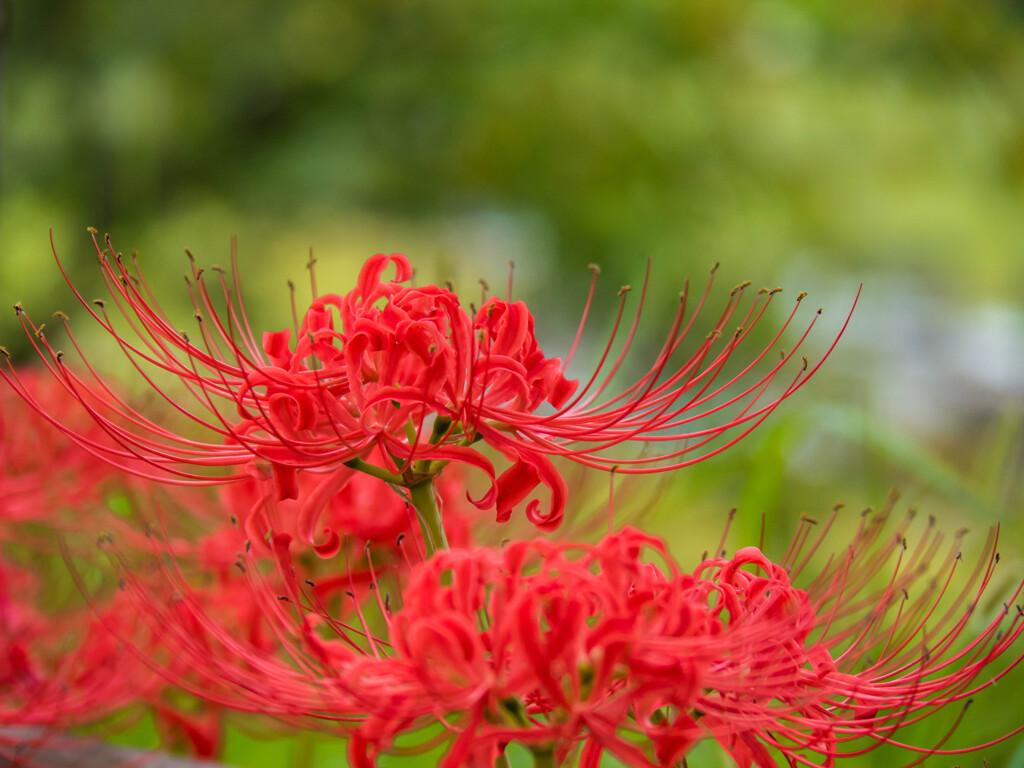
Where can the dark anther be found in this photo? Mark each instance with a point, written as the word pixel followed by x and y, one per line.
pixel 283 598
pixel 801 296
pixel 240 566
pixel 350 594
pixel 387 603
pixel 234 521
pixel 373 585
pixel 398 542
pixel 310 582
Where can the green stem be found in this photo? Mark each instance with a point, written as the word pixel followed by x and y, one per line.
pixel 303 751
pixel 429 516
pixel 373 470
pixel 544 758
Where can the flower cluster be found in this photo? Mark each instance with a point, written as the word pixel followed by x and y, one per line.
pixel 574 650
pixel 406 377
pixel 297 535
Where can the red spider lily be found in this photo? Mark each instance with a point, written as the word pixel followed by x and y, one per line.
pixel 574 650
pixel 405 374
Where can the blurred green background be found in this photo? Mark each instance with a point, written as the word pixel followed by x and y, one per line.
pixel 811 144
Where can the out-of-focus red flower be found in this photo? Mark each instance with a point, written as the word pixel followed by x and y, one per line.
pixel 344 508
pixel 406 375
pixel 65 669
pixel 43 474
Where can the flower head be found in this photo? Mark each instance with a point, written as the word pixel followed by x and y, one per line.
pixel 407 375
pixel 577 650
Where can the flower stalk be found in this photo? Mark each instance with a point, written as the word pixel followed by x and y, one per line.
pixel 429 515
pixel 544 757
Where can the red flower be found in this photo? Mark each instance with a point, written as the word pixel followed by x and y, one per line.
pixel 42 473
pixel 405 374
pixel 64 669
pixel 575 649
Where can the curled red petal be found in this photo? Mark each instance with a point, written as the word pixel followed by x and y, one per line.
pixel 514 485
pixel 518 481
pixel 473 458
pixel 313 506
pixel 285 481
